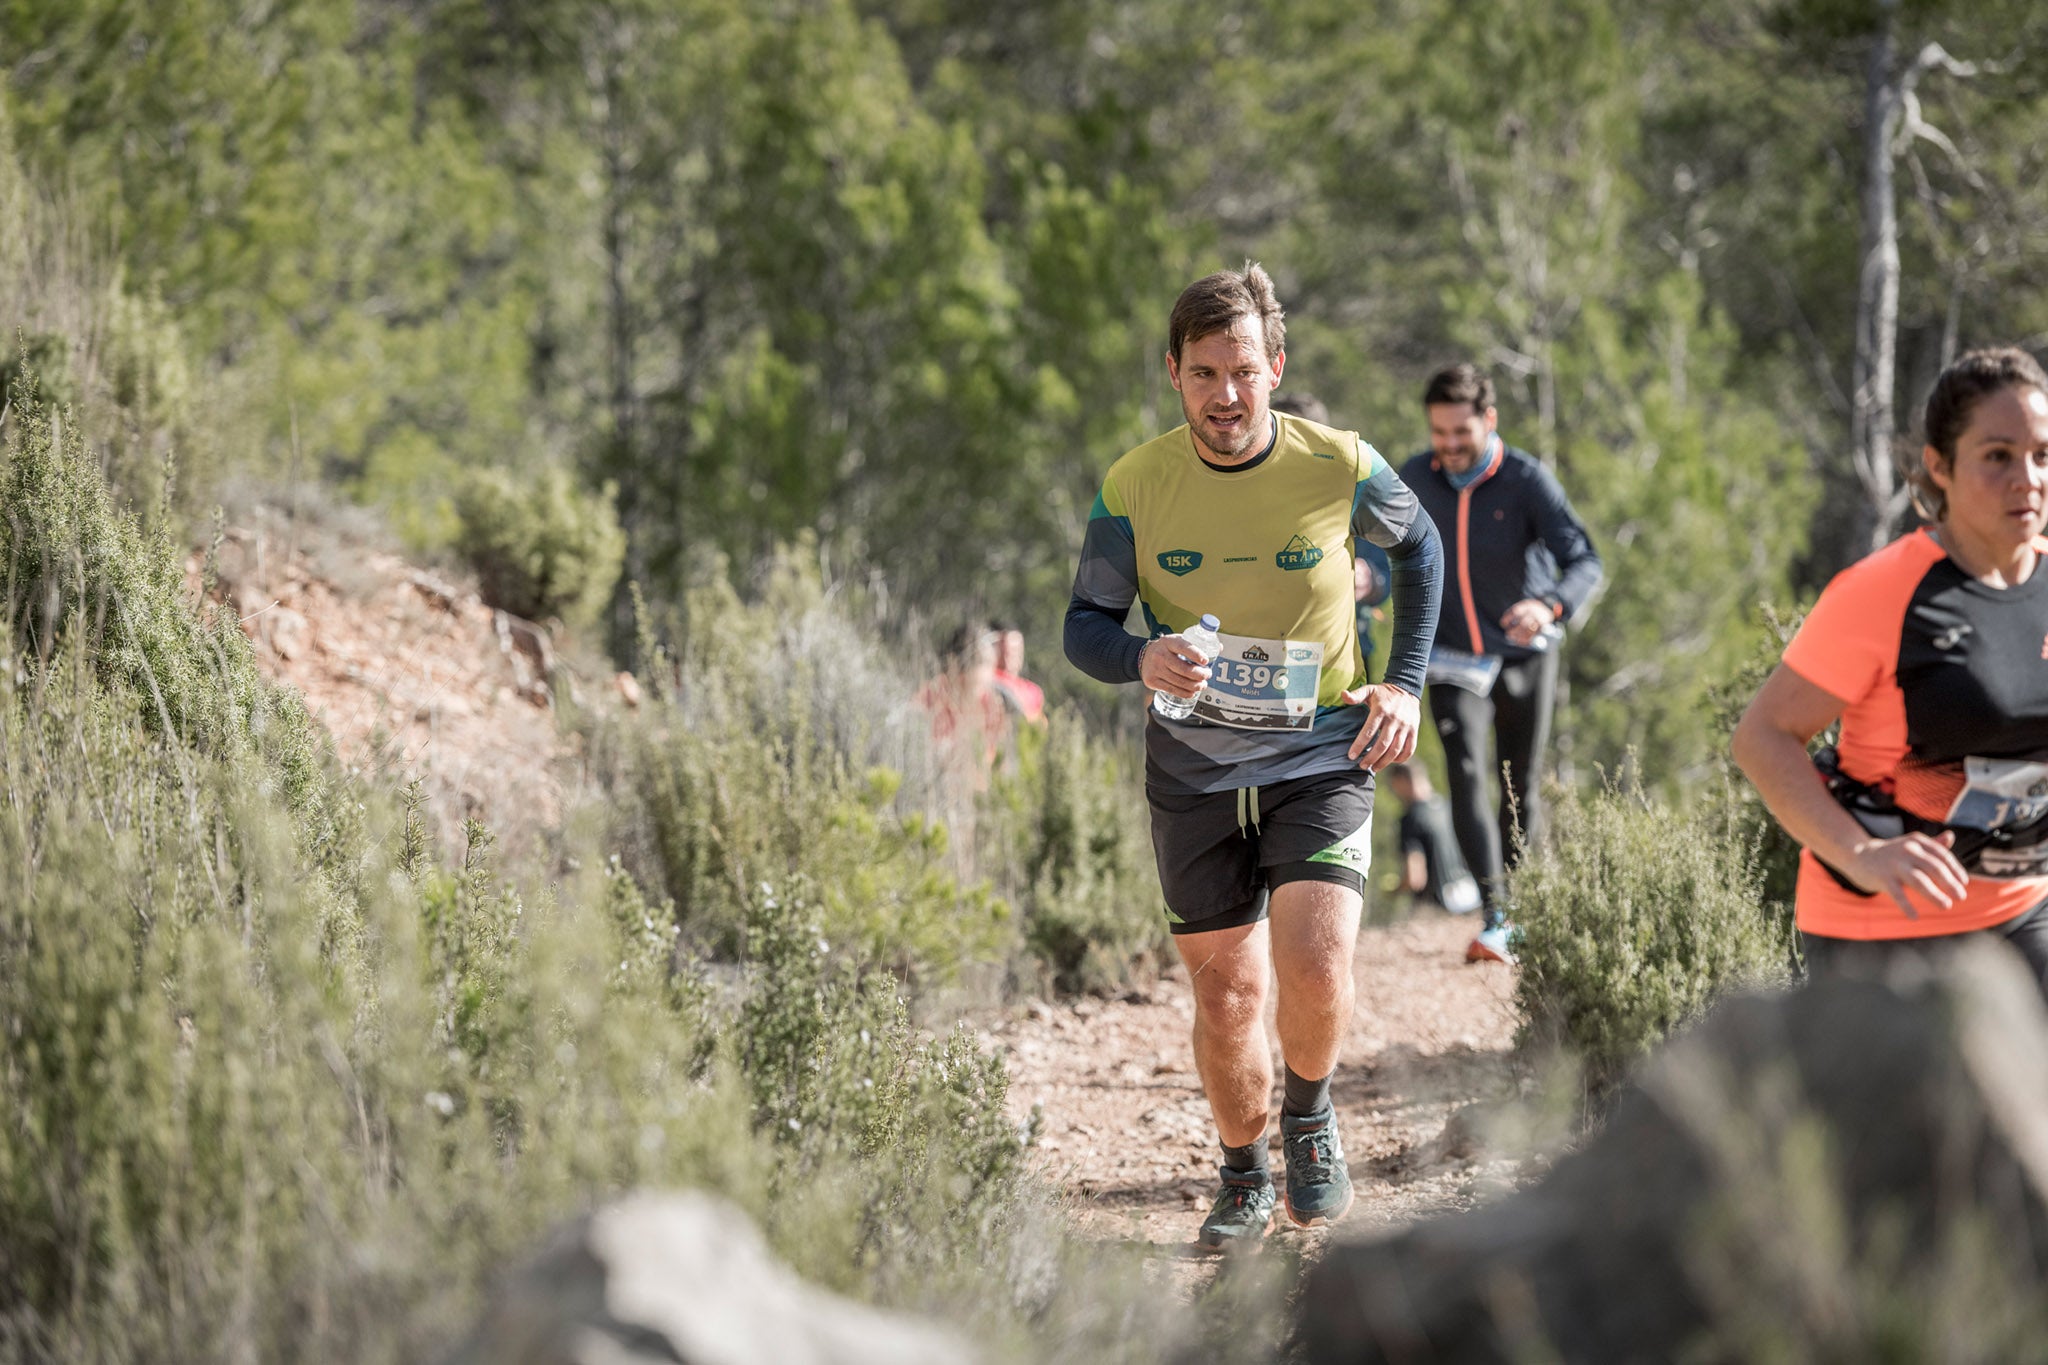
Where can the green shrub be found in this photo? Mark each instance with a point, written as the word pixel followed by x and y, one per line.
pixel 782 747
pixel 1634 917
pixel 147 407
pixel 831 1057
pixel 540 546
pixel 109 357
pixel 785 747
pixel 1069 828
pixel 1777 856
pixel 39 370
pixel 79 569
pixel 223 1136
pixel 727 812
pixel 278 1087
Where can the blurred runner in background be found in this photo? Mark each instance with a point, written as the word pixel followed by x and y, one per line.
pixel 1520 565
pixel 1019 693
pixel 1431 866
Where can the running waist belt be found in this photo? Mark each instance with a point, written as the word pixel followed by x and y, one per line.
pixel 2003 852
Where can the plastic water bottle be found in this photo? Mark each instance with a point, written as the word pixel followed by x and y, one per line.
pixel 1202 638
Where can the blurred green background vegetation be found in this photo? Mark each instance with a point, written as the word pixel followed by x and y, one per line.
pixel 814 325
pixel 896 274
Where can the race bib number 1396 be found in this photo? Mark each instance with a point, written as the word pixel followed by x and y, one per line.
pixel 1257 684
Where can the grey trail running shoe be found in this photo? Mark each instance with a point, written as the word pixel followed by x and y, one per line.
pixel 1318 1181
pixel 1244 1206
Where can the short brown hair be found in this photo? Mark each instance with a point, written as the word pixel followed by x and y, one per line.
pixel 1461 383
pixel 1972 378
pixel 1215 302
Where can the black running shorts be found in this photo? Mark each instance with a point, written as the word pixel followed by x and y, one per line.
pixel 1221 853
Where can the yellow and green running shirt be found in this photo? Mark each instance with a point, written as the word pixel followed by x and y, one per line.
pixel 1266 548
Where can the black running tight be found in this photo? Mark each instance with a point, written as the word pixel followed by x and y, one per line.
pixel 1502 733
pixel 2027 933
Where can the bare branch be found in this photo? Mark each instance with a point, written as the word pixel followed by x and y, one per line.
pixel 1515 362
pixel 1929 203
pixel 1936 57
pixel 1900 500
pixel 1952 317
pixel 1912 126
pixel 1461 186
pixel 1923 188
pixel 1817 355
pixel 1870 476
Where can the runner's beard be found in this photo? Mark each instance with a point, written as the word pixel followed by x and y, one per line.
pixel 1249 433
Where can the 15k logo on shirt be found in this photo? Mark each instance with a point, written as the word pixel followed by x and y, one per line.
pixel 1299 554
pixel 1180 563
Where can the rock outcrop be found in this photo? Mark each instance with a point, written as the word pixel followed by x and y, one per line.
pixel 1804 1176
pixel 683 1278
pixel 413 676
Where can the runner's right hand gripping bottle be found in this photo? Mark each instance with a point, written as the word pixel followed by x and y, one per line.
pixel 1202 638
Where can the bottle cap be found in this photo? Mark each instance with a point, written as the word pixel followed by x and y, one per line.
pixel 1209 623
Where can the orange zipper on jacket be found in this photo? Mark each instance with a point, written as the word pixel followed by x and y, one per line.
pixel 1500 448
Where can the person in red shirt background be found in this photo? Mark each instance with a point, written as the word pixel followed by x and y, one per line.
pixel 968 715
pixel 1022 695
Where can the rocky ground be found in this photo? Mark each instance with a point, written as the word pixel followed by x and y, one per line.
pixel 410 672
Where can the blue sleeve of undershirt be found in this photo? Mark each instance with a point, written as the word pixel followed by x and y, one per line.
pixel 1098 644
pixel 1382 573
pixel 1385 513
pixel 1105 586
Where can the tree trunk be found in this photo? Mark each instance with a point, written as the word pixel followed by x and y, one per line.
pixel 618 300
pixel 1871 429
pixel 622 458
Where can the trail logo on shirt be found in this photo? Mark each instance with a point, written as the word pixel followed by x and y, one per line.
pixel 1299 554
pixel 1180 563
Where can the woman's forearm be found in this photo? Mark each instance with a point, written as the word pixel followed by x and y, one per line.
pixel 1778 766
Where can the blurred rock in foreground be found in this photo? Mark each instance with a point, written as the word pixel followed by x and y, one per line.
pixel 1854 1171
pixel 682 1277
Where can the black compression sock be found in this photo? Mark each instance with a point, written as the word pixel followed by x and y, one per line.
pixel 1250 1157
pixel 1304 1097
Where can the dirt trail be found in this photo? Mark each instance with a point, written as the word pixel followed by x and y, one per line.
pixel 1125 1128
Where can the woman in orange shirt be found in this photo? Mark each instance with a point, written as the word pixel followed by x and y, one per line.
pixel 1929 819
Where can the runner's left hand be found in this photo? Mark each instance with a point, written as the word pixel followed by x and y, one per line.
pixel 1525 620
pixel 1392 720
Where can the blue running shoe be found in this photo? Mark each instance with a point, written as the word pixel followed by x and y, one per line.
pixel 1494 944
pixel 1318 1181
pixel 1244 1206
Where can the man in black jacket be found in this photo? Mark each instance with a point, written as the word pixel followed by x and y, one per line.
pixel 1519 565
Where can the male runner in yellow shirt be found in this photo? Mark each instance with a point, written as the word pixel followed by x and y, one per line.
pixel 1262 799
